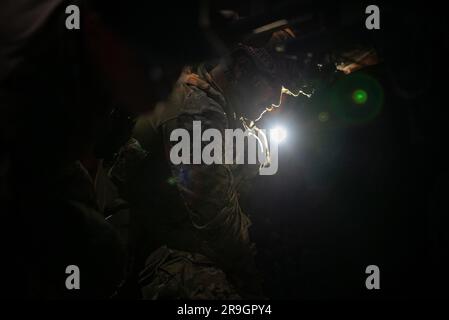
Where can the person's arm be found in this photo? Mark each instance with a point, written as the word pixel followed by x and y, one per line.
pixel 209 191
pixel 211 197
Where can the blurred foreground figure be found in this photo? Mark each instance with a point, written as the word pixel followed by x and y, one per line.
pixel 194 209
pixel 58 88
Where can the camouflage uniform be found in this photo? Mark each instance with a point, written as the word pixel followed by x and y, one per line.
pixel 203 215
pixel 183 275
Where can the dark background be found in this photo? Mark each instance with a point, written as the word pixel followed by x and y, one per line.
pixel 349 194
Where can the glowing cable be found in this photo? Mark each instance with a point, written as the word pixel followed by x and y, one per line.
pixel 254 131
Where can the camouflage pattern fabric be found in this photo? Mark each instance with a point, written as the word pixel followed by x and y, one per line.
pixel 211 221
pixel 173 274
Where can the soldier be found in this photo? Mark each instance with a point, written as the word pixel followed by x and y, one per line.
pixel 195 208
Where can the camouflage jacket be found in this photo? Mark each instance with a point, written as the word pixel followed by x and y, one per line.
pixel 201 211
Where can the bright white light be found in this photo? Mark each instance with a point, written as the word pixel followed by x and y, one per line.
pixel 278 134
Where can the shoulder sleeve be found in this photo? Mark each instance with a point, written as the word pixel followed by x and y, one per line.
pixel 209 191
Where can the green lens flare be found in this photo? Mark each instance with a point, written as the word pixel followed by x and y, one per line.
pixel 359 96
pixel 356 98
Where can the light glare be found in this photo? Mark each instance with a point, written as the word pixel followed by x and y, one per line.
pixel 278 134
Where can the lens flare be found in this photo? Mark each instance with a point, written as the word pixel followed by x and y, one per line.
pixel 356 98
pixel 359 96
pixel 323 116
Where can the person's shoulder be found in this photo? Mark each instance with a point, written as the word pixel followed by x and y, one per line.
pixel 197 101
pixel 194 98
pixel 193 94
